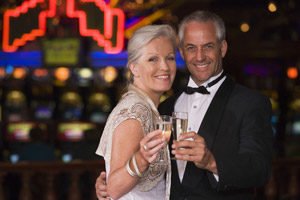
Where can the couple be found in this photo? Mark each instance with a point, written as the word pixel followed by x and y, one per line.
pixel 227 151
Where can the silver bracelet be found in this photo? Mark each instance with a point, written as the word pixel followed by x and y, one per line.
pixel 130 172
pixel 138 173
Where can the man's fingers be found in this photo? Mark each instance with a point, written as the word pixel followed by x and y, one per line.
pixel 103 177
pixel 101 190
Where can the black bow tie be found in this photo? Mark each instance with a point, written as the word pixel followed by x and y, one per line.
pixel 201 89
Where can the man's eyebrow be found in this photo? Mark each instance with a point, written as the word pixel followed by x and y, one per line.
pixel 189 44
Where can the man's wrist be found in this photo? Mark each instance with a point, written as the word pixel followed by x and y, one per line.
pixel 212 165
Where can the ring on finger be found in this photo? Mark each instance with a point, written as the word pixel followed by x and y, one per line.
pixel 145 147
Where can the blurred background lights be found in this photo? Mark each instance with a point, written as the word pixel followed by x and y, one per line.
pixel 19 73
pixel 109 74
pixel 2 72
pixel 292 72
pixel 62 73
pixel 272 7
pixel 40 72
pixel 15 97
pixel 102 100
pixel 85 73
pixel 71 98
pixel 245 27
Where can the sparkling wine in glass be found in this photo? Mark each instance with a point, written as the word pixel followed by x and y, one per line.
pixel 180 123
pixel 165 125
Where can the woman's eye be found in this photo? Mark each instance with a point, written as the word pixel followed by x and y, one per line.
pixel 152 59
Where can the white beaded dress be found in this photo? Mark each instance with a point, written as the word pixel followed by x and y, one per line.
pixel 135 104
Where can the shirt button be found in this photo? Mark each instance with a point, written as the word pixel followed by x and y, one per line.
pixel 194 106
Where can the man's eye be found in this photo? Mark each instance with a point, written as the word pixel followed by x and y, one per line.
pixel 171 58
pixel 209 46
pixel 190 48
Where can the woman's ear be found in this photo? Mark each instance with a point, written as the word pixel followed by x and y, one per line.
pixel 134 69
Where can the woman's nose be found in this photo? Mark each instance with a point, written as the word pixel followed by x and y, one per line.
pixel 164 65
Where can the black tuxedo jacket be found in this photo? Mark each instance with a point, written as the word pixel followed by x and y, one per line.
pixel 237 130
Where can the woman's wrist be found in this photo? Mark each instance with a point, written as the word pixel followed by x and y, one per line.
pixel 141 162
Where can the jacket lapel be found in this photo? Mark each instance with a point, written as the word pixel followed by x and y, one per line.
pixel 211 121
pixel 209 129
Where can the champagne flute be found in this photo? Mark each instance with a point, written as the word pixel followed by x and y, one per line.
pixel 180 123
pixel 164 124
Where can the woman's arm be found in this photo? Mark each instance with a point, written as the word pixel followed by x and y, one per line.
pixel 128 139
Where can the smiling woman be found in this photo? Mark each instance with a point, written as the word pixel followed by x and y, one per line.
pixel 154 72
pixel 135 172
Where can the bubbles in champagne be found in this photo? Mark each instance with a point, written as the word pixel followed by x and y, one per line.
pixel 180 126
pixel 166 128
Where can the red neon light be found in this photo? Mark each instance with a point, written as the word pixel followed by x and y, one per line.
pixel 101 39
pixel 15 13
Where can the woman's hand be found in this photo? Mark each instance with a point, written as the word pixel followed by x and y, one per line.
pixel 151 144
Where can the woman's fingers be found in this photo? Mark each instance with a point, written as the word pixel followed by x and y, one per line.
pixel 151 144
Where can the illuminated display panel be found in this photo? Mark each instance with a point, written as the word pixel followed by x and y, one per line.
pixel 73 131
pixel 19 131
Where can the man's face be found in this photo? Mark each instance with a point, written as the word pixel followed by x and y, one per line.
pixel 202 51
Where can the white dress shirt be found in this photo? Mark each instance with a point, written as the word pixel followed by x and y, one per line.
pixel 196 105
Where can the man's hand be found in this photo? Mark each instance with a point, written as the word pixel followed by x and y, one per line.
pixel 192 147
pixel 100 186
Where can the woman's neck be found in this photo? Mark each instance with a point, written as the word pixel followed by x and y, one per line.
pixel 155 97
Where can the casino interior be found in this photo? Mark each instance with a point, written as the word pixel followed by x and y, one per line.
pixel 62 70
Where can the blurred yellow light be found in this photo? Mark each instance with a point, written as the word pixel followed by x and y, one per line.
pixel 15 97
pixel 100 99
pixel 109 74
pixel 272 7
pixel 292 72
pixel 113 3
pixel 19 73
pixel 85 73
pixel 245 27
pixel 147 20
pixel 71 98
pixel 62 73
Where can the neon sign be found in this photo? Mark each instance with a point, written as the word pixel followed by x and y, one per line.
pixel 103 39
pixel 12 14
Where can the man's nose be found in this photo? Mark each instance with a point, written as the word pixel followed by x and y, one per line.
pixel 200 54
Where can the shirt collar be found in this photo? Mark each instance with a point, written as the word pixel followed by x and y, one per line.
pixel 192 83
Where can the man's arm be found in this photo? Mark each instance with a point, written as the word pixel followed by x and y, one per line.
pixel 250 164
pixel 100 187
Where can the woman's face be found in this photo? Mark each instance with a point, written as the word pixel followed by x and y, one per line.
pixel 155 70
